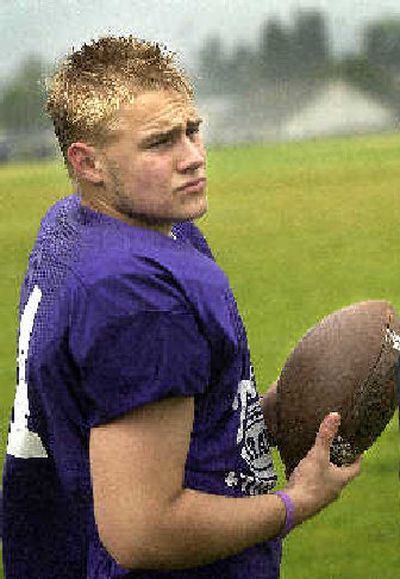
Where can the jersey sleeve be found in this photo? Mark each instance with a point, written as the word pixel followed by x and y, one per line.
pixel 128 356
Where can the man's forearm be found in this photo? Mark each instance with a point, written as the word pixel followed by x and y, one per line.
pixel 199 528
pixel 194 528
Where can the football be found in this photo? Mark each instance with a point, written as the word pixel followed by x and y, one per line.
pixel 347 363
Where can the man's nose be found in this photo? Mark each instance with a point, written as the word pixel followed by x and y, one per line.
pixel 192 155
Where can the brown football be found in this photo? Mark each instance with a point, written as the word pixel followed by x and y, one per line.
pixel 346 363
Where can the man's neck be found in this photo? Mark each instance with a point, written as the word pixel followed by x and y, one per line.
pixel 102 206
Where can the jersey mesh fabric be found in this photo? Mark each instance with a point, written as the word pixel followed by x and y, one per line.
pixel 124 316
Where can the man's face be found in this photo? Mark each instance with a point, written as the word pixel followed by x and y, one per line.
pixel 157 152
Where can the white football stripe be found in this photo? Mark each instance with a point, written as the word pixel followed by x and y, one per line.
pixel 393 338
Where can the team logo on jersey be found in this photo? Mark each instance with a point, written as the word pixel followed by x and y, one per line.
pixel 252 438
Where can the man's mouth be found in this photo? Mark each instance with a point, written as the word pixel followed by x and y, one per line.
pixel 195 186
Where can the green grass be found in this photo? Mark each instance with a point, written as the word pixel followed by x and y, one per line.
pixel 301 230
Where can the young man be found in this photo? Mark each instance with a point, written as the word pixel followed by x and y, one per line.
pixel 137 446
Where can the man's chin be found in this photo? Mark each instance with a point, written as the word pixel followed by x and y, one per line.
pixel 194 215
pixel 200 212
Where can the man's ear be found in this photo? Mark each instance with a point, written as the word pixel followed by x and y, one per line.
pixel 85 162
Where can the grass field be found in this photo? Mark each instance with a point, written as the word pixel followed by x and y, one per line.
pixel 301 230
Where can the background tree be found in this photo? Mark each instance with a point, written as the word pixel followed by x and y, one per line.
pixel 212 75
pixel 310 44
pixel 23 97
pixel 241 69
pixel 378 81
pixel 382 44
pixel 275 53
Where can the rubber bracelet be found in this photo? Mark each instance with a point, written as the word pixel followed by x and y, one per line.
pixel 289 521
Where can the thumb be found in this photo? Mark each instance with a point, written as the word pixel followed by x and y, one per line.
pixel 354 469
pixel 328 430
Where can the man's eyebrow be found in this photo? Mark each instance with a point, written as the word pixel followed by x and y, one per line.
pixel 172 132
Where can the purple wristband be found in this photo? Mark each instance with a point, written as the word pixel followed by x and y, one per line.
pixel 289 521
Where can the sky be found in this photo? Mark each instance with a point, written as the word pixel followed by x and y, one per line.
pixel 52 28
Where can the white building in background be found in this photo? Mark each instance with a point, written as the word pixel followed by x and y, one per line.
pixel 337 109
pixel 289 112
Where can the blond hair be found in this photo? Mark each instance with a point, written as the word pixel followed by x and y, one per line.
pixel 92 83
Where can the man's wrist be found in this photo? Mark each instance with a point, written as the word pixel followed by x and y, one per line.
pixel 290 513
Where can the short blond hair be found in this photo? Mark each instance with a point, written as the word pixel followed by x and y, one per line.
pixel 92 83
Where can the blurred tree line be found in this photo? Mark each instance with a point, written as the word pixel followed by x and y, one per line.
pixel 300 52
pixel 22 99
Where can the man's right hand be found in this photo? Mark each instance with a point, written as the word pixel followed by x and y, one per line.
pixel 316 482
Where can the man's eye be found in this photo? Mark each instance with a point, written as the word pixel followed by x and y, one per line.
pixel 160 142
pixel 193 130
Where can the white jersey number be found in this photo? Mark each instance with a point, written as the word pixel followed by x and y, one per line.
pixel 22 443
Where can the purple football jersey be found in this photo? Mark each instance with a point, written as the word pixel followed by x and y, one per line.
pixel 113 317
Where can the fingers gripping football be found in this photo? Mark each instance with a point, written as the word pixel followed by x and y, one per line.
pixel 316 482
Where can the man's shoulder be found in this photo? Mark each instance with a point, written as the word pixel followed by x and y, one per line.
pixel 127 281
pixel 59 208
pixel 108 259
pixel 65 208
pixel 130 273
